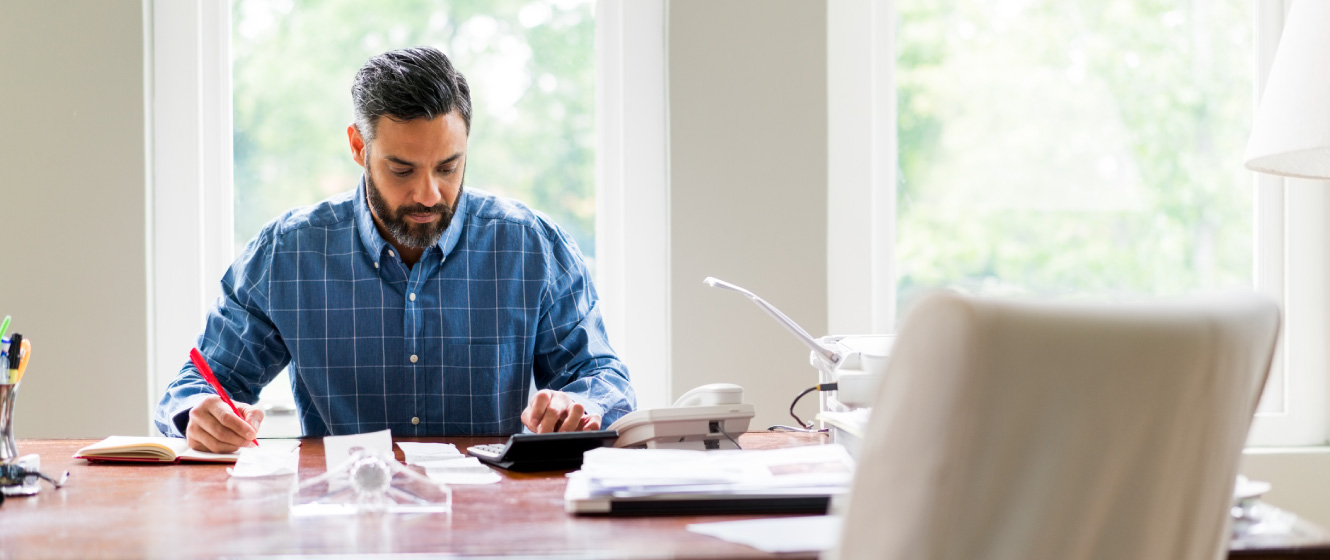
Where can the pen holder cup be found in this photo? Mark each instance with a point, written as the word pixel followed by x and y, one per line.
pixel 8 450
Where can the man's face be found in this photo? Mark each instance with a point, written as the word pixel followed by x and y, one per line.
pixel 413 175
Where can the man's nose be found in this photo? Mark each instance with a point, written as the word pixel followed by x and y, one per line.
pixel 430 192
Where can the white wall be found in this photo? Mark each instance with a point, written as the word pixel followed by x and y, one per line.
pixel 72 201
pixel 748 176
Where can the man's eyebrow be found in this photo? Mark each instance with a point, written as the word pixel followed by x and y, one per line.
pixel 401 161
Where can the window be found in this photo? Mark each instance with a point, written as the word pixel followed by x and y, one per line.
pixel 1060 148
pixel 1069 150
pixel 533 123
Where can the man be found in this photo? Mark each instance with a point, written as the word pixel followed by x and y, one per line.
pixel 410 303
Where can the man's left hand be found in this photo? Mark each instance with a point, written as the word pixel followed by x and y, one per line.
pixel 555 411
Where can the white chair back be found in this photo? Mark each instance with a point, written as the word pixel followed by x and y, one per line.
pixel 1015 430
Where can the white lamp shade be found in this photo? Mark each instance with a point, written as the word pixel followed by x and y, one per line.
pixel 1291 134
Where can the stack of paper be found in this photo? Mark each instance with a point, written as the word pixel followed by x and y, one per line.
pixel 643 481
pixel 444 464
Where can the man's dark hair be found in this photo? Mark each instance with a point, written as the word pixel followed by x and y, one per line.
pixel 408 84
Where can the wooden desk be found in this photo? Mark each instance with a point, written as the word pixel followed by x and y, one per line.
pixel 112 510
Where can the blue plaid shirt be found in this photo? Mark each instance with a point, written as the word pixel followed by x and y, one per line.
pixel 450 346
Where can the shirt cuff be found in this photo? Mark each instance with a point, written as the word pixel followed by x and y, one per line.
pixel 589 407
pixel 180 420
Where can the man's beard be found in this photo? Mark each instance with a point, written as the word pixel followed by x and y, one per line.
pixel 410 234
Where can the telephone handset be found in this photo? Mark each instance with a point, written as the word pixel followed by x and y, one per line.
pixel 707 417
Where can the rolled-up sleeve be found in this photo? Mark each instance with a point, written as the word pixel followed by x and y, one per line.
pixel 573 353
pixel 239 341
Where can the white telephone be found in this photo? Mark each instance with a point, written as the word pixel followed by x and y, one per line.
pixel 707 417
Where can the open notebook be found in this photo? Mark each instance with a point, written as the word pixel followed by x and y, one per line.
pixel 165 450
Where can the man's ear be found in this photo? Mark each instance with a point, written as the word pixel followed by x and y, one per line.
pixel 357 144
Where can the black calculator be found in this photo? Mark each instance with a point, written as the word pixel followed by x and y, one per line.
pixel 555 451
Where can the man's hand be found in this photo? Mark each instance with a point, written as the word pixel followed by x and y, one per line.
pixel 555 411
pixel 213 427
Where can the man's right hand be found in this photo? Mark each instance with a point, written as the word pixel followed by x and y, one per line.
pixel 213 427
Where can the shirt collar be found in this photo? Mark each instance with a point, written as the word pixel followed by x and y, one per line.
pixel 369 235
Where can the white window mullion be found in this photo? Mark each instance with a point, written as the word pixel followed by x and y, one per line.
pixel 190 193
pixel 861 167
pixel 632 191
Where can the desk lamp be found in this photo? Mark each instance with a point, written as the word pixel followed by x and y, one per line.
pixel 1291 133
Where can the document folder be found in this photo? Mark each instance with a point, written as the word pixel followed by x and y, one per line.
pixel 577 500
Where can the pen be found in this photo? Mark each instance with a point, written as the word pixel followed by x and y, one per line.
pixel 15 353
pixel 206 372
pixel 26 347
pixel 4 326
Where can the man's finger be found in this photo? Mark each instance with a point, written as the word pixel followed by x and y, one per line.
pixel 589 423
pixel 203 441
pixel 530 417
pixel 254 415
pixel 539 404
pixel 227 418
pixel 222 433
pixel 573 421
pixel 549 422
pixel 221 423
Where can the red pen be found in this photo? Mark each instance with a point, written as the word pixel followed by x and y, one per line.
pixel 206 372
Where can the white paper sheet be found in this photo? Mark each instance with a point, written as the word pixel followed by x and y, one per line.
pixel 777 535
pixel 271 458
pixel 462 470
pixel 337 448
pixel 417 453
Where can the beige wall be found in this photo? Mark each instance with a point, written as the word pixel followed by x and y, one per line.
pixel 748 174
pixel 1296 477
pixel 72 268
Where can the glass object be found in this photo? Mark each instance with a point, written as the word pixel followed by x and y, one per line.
pixel 367 482
pixel 1061 148
pixel 8 448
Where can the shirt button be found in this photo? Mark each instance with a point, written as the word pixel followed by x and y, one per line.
pixel 414 358
pixel 376 265
pixel 390 253
pixel 413 297
pixel 415 420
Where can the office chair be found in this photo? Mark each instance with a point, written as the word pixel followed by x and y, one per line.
pixel 1015 430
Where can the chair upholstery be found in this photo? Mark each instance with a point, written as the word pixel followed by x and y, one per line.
pixel 1013 430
